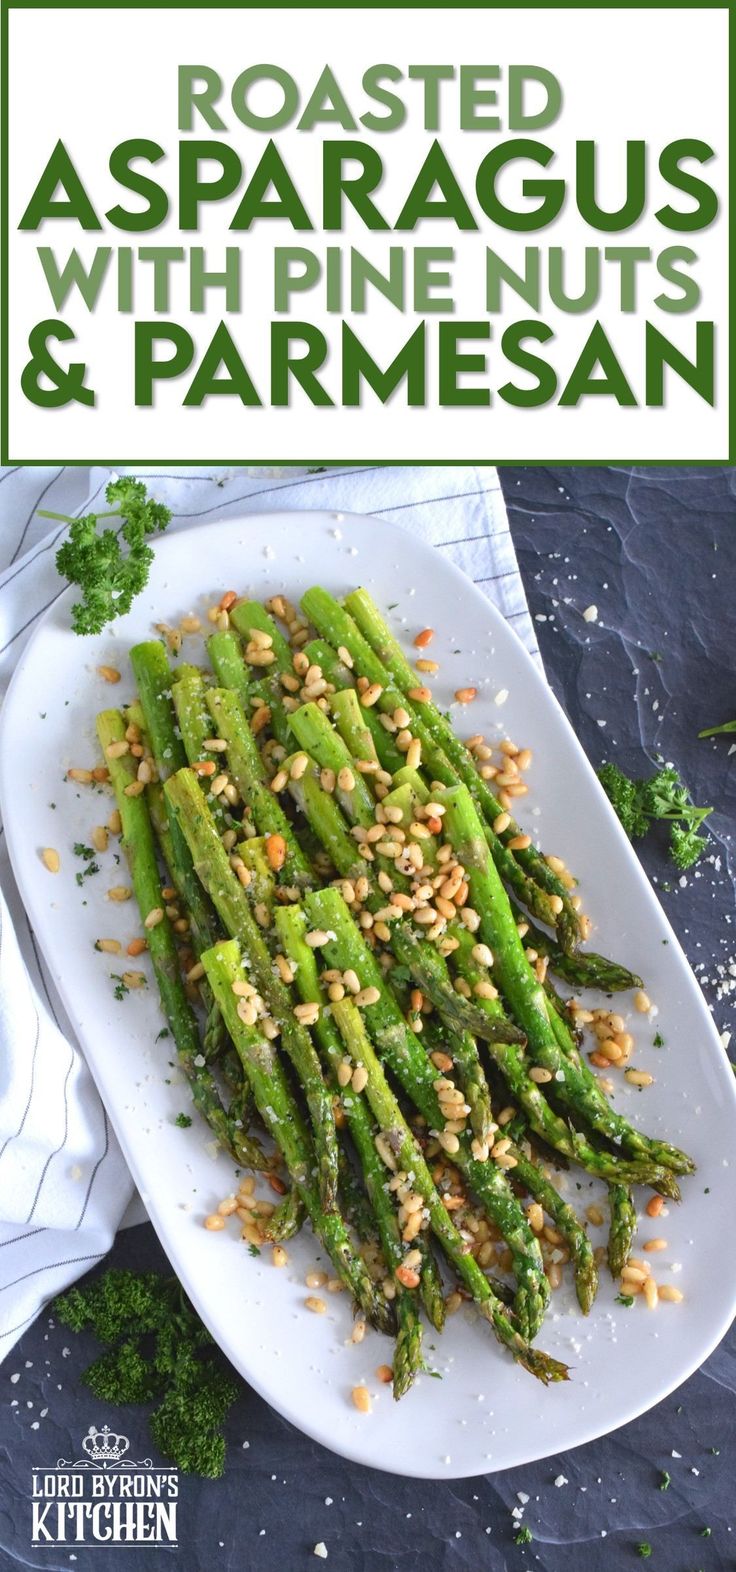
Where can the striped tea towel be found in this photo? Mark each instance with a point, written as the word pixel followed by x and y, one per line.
pixel 64 1187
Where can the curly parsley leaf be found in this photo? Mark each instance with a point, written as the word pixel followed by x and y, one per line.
pixel 640 803
pixel 97 561
pixel 159 1352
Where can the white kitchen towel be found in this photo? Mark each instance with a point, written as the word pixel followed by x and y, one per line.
pixel 64 1187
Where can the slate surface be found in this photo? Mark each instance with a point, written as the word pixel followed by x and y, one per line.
pixel 655 550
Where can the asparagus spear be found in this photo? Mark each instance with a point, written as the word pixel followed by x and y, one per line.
pixel 291 926
pixel 247 770
pixel 584 969
pixel 526 997
pixel 407 1059
pixel 281 1116
pixel 351 724
pixel 188 693
pixel 531 1175
pixel 621 1229
pixel 288 1218
pixel 228 665
pixel 187 801
pixel 363 609
pixel 354 723
pixel 534 891
pixel 249 617
pixel 409 1159
pixel 314 733
pixel 141 853
pixel 557 1132
pixel 153 679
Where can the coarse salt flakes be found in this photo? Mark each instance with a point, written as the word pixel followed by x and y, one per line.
pixel 590 614
pixel 561 1480
pixel 501 696
pixel 320 1550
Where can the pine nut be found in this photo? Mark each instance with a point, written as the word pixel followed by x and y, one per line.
pixel 315 1304
pixel 519 842
pixel 653 1245
pixel 669 1293
pixel 51 859
pixel 367 996
pixel 279 1256
pixel 279 781
pixel 540 1075
pixel 316 938
pixel 284 969
pixel 632 1274
pixel 654 1206
pixel 155 916
pixel 466 695
pixel 424 638
pixel 346 779
pixel 650 1292
pixel 119 892
pixel 642 1002
pixel 419 695
pixel 362 1399
pixel 371 695
pixel 359 1079
pixel 639 1077
pixel 307 1014
pixel 427 665
pixel 214 1222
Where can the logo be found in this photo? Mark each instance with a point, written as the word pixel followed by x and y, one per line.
pixel 104 1497
pixel 104 1446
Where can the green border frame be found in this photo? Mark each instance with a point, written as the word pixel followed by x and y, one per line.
pixel 243 5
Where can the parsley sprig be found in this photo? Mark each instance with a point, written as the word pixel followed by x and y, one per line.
pixel 639 803
pixel 108 575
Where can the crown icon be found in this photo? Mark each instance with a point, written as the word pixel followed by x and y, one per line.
pixel 104 1446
